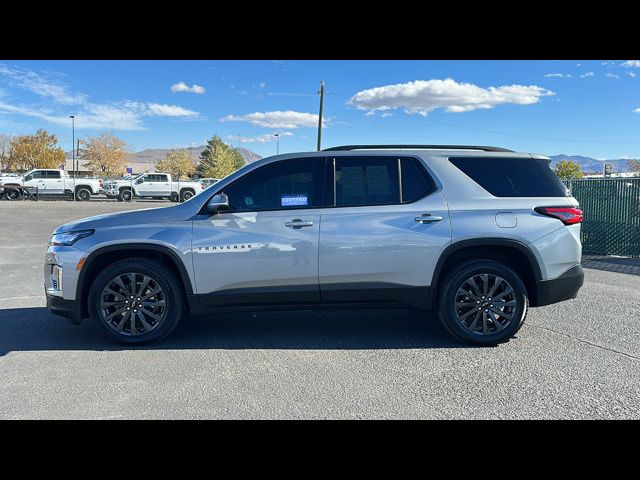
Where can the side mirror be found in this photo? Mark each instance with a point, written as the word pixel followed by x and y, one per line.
pixel 217 203
pixel 140 180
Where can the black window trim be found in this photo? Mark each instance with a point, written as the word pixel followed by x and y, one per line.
pixel 421 166
pixel 330 161
pixel 323 158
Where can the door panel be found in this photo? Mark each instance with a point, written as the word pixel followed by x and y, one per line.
pixel 381 245
pixel 254 257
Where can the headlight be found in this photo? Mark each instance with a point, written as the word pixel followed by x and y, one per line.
pixel 69 238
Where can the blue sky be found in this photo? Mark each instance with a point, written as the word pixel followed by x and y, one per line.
pixel 589 108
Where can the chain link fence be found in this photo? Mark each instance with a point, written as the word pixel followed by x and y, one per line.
pixel 611 208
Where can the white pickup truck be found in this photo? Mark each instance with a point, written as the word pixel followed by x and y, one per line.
pixel 152 185
pixel 50 182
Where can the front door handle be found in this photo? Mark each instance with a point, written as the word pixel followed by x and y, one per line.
pixel 427 218
pixel 297 223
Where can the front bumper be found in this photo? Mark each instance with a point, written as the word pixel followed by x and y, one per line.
pixel 564 287
pixel 70 309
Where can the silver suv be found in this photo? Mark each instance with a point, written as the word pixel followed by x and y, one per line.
pixel 479 234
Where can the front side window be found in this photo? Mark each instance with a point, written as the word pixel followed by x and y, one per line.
pixel 285 185
pixel 37 174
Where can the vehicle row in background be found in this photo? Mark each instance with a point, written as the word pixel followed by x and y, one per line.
pixel 49 182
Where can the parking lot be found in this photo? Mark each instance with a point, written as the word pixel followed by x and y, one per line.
pixel 577 359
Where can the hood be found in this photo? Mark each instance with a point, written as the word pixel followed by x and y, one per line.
pixel 133 218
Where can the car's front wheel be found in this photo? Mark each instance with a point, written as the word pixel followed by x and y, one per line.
pixel 483 302
pixel 136 301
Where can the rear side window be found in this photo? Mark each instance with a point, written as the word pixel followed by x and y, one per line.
pixel 512 177
pixel 367 181
pixel 52 174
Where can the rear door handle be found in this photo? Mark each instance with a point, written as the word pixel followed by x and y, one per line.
pixel 297 223
pixel 427 218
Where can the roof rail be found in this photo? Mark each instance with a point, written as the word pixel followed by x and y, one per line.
pixel 343 148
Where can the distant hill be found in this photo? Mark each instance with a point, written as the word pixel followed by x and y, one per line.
pixel 152 155
pixel 591 165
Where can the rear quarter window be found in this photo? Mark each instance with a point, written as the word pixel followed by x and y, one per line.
pixel 512 177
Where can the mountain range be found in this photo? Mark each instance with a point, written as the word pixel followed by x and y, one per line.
pixel 592 165
pixel 152 155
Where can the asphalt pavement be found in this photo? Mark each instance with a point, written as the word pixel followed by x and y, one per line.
pixel 576 359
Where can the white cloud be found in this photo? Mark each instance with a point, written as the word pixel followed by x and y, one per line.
pixel 578 64
pixel 370 113
pixel 265 138
pixel 613 75
pixel 631 74
pixel 93 116
pixel 631 64
pixel 607 63
pixel 262 85
pixel 424 96
pixel 586 75
pixel 637 110
pixel 183 87
pixel 276 119
pixel 120 115
pixel 164 110
pixel 387 115
pixel 41 86
pixel 559 75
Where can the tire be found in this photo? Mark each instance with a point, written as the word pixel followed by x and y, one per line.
pixel 162 317
pixel 12 193
pixel 186 195
pixel 125 196
pixel 83 194
pixel 455 309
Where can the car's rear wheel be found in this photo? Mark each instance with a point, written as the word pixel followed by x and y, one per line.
pixel 186 195
pixel 136 301
pixel 125 195
pixel 483 302
pixel 83 194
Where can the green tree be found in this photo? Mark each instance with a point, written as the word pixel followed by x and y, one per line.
pixel 218 159
pixel 40 150
pixel 179 163
pixel 567 169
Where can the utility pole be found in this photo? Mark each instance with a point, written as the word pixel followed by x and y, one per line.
pixel 277 135
pixel 73 153
pixel 321 92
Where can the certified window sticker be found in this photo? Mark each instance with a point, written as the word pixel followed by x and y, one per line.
pixel 295 200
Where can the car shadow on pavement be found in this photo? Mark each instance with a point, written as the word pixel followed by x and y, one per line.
pixel 35 329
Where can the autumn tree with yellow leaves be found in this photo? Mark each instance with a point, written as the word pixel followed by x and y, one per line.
pixel 179 163
pixel 106 154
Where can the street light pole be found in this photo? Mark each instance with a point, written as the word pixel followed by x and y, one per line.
pixel 321 92
pixel 277 135
pixel 73 153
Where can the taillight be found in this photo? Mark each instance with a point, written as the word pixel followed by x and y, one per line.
pixel 202 186
pixel 567 215
pixel 100 183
